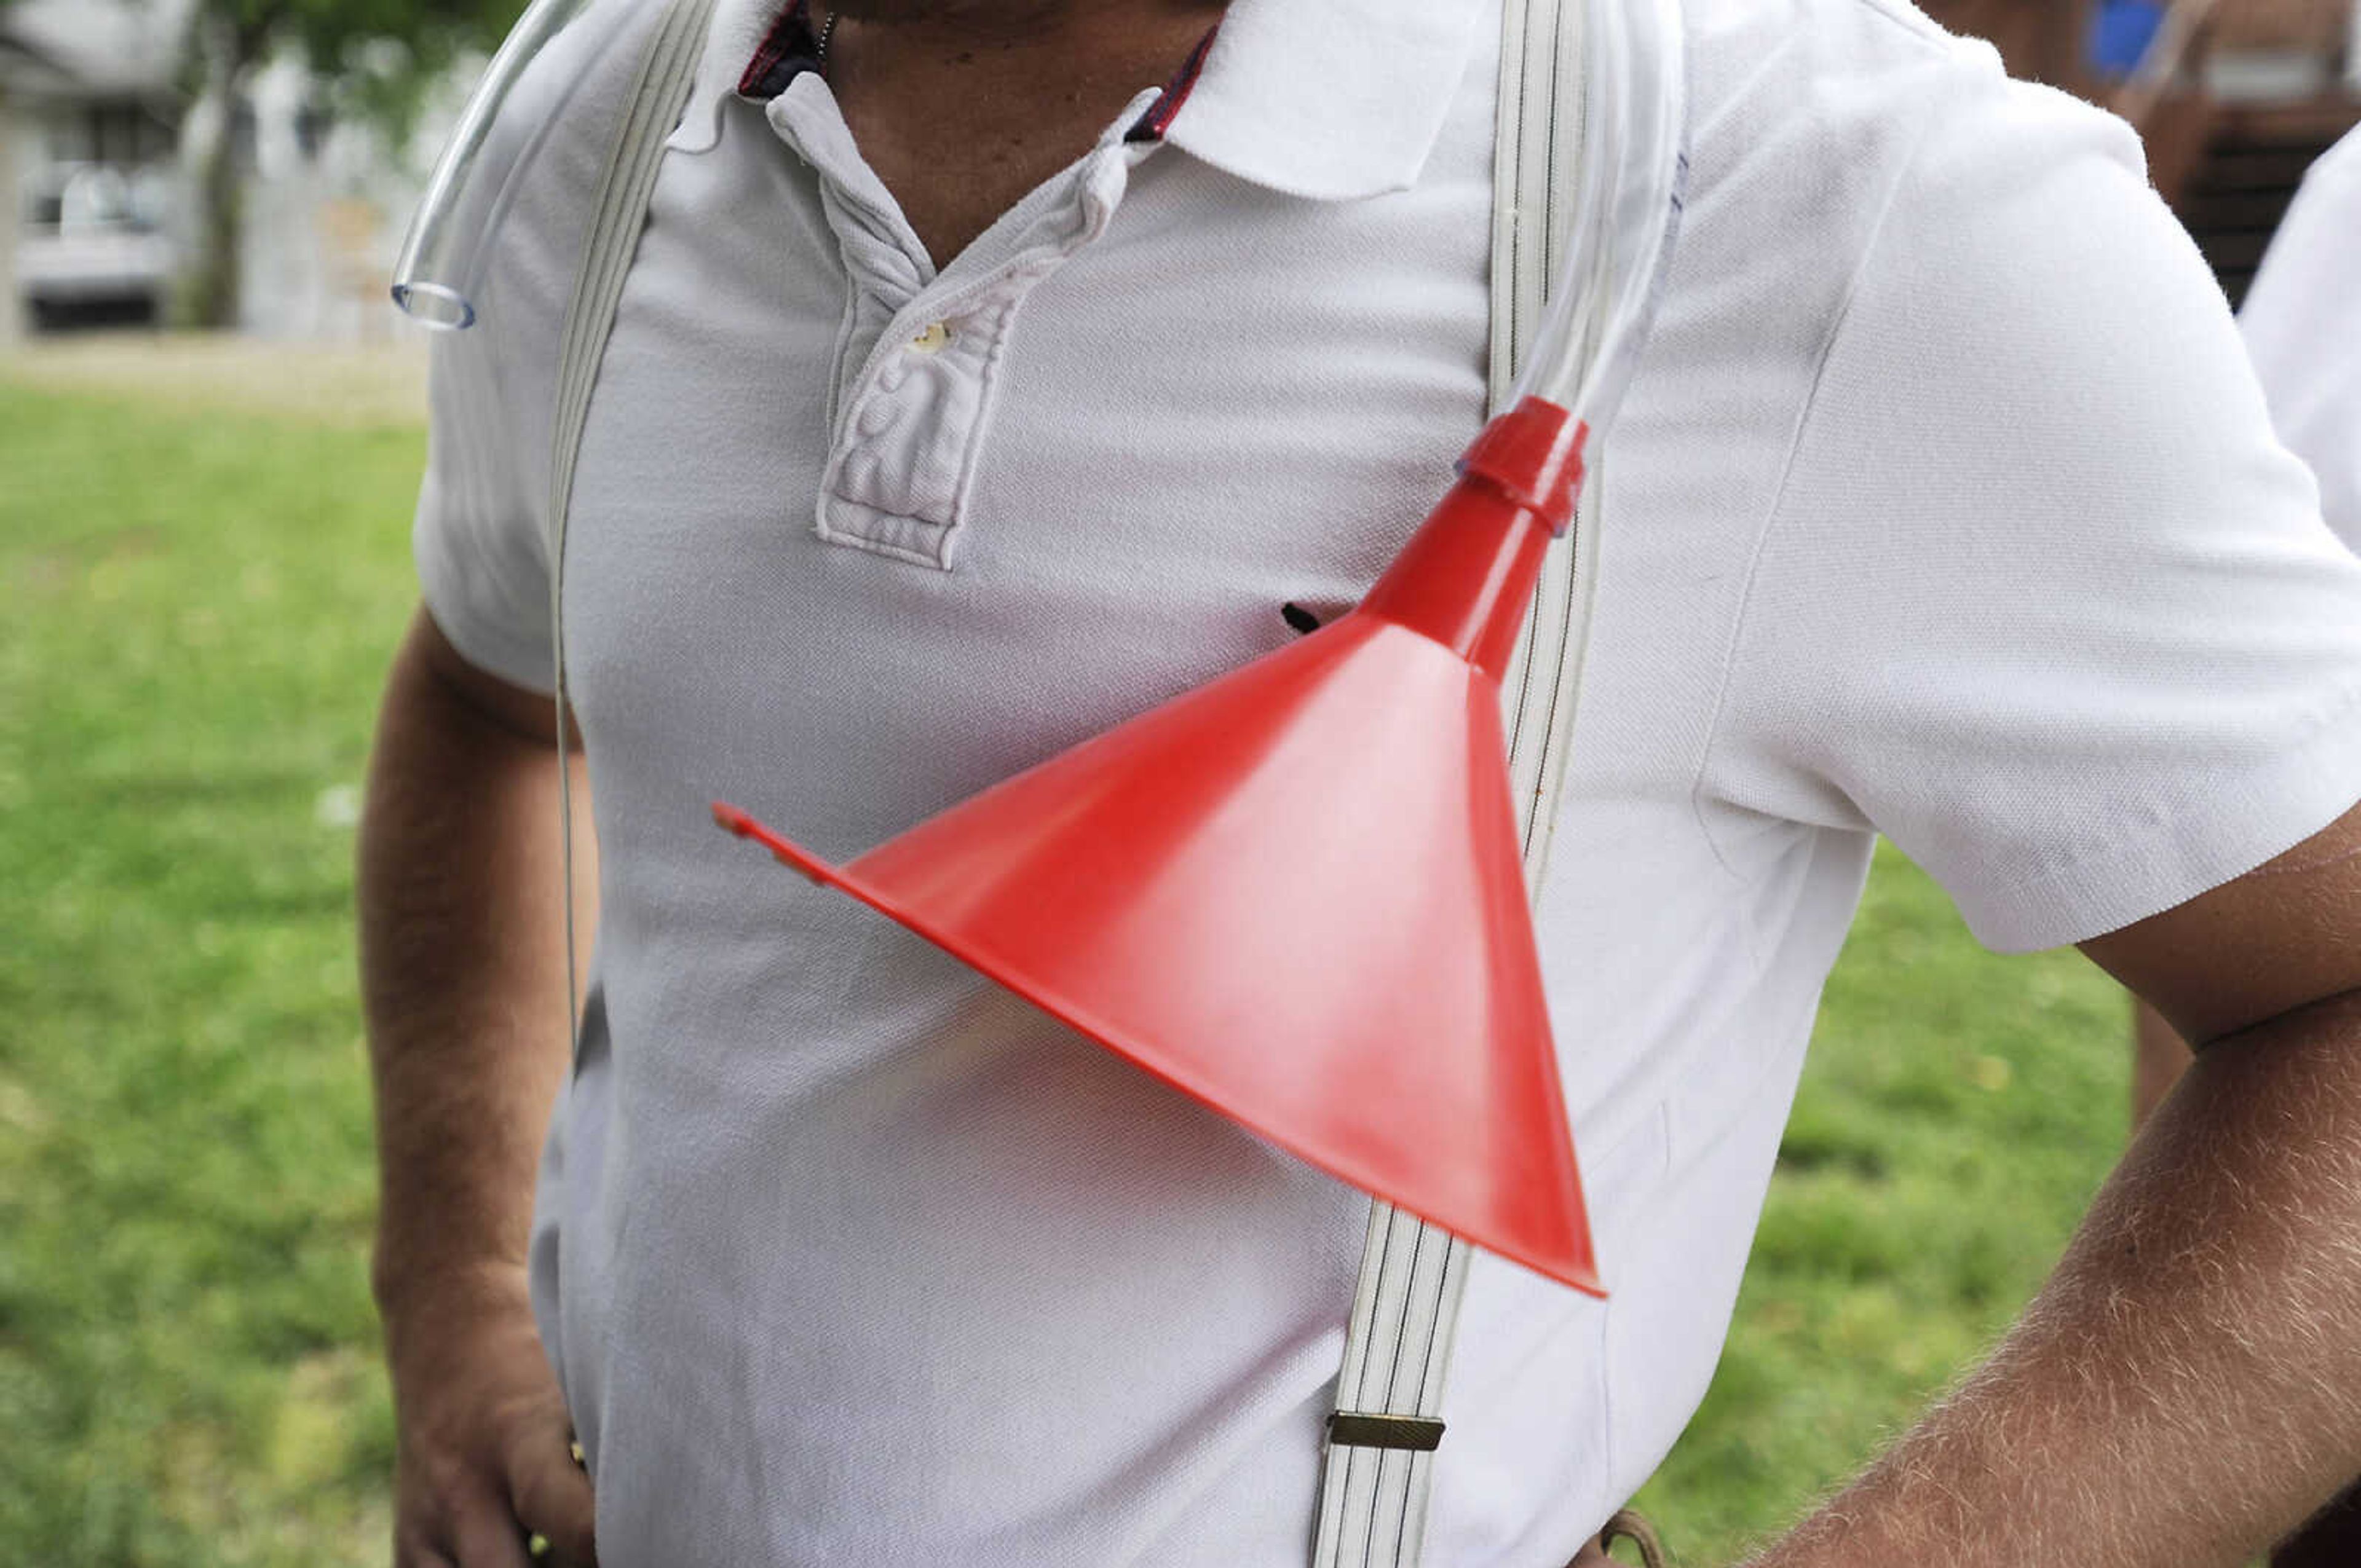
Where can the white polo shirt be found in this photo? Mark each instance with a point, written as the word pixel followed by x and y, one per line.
pixel 1944 505
pixel 2302 324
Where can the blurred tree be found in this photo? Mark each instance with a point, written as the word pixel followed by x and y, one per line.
pixel 372 57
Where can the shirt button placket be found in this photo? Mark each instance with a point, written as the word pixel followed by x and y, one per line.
pixel 897 481
pixel 906 445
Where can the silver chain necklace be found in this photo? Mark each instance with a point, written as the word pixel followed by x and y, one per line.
pixel 827 31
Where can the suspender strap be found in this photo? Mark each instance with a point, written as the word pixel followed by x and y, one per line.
pixel 1381 1443
pixel 658 94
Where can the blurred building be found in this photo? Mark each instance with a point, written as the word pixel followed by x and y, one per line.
pixel 2234 98
pixel 99 135
pixel 89 131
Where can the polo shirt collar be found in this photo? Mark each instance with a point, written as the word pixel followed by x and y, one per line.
pixel 739 30
pixel 1332 100
pixel 1329 99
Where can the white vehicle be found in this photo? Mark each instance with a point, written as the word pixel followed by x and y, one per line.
pixel 95 245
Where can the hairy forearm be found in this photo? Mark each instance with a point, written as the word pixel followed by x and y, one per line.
pixel 2187 1387
pixel 462 977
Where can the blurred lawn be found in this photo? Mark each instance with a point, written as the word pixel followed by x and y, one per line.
pixel 197 610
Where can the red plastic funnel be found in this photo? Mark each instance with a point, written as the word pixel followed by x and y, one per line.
pixel 1296 892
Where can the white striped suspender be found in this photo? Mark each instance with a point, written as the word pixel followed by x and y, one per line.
pixel 1378 1465
pixel 658 94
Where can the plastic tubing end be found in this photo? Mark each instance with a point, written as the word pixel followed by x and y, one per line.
pixel 1532 453
pixel 433 306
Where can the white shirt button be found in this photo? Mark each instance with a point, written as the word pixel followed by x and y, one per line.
pixel 931 338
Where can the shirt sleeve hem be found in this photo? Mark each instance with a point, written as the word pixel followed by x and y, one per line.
pixel 494 649
pixel 2247 821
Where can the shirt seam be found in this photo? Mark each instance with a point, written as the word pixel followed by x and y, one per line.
pixel 987 393
pixel 1744 619
pixel 935 558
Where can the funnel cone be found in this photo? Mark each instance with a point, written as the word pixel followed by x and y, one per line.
pixel 1297 892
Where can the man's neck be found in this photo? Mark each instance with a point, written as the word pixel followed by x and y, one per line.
pixel 960 107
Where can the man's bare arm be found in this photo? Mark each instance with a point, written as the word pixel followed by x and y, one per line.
pixel 2187 1386
pixel 462 969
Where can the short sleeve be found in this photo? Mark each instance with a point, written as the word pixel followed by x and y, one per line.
pixel 2041 598
pixel 483 559
pixel 2303 325
pixel 481 537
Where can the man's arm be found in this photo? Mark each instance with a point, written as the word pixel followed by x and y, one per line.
pixel 463 979
pixel 2301 323
pixel 2158 1058
pixel 2187 1387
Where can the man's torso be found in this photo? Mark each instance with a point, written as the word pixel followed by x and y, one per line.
pixel 847 1256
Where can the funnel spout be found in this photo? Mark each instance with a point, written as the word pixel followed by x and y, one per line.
pixel 1467 577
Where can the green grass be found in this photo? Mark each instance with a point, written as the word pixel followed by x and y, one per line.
pixel 196 612
pixel 1958 1111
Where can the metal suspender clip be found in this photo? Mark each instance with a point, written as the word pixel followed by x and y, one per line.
pixel 1359 1428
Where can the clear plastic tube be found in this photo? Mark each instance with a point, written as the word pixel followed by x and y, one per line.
pixel 438 276
pixel 1625 213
